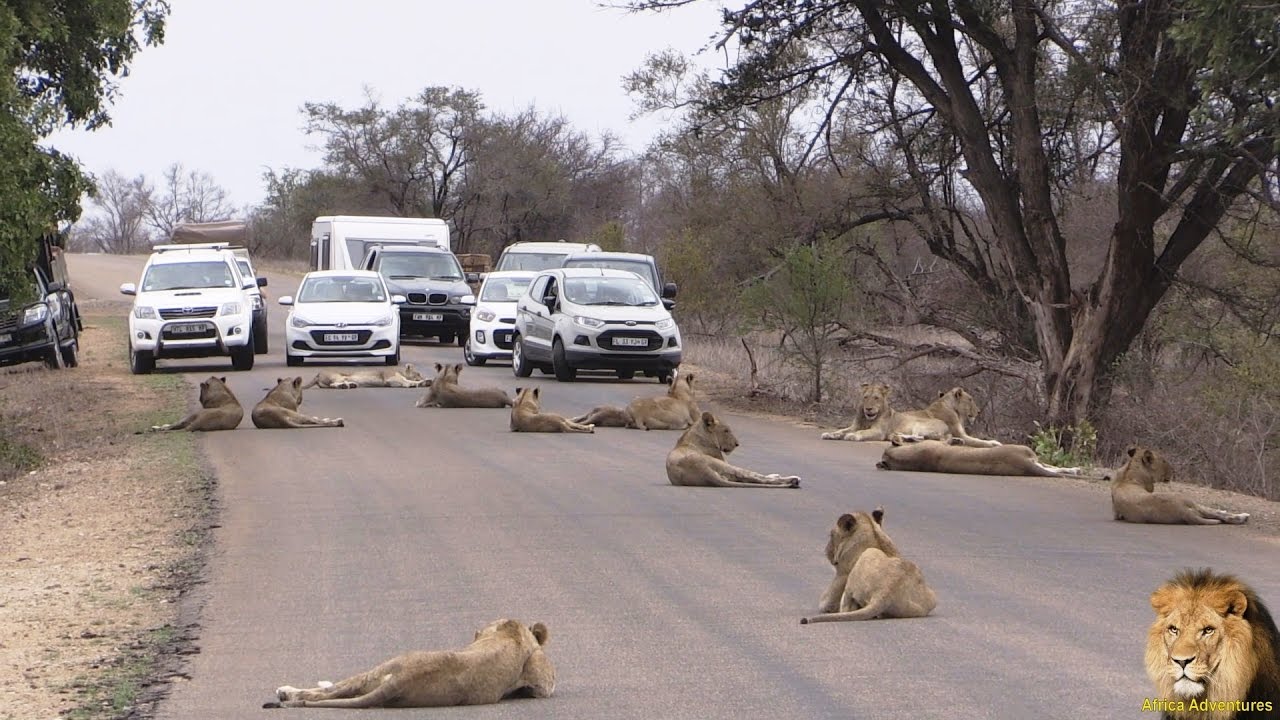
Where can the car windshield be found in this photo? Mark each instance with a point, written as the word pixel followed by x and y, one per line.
pixel 188 276
pixel 405 266
pixel 533 262
pixel 609 291
pixel 341 288
pixel 504 289
pixel 641 268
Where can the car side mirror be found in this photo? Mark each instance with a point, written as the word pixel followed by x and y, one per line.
pixel 668 303
pixel 473 278
pixel 128 289
pixel 399 299
pixel 248 285
pixel 55 286
pixel 669 290
pixel 285 300
pixel 262 282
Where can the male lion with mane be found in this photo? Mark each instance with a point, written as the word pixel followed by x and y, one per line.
pixel 409 377
pixel 279 409
pixel 676 410
pixel 506 659
pixel 1134 499
pixel 698 460
pixel 944 419
pixel 1212 651
pixel 219 410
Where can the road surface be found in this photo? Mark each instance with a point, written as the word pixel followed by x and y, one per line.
pixel 410 528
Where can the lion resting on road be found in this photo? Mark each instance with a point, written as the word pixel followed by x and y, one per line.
pixel 219 410
pixel 1213 642
pixel 409 377
pixel 527 416
pixel 676 410
pixel 872 580
pixel 936 456
pixel 444 392
pixel 1134 499
pixel 506 659
pixel 279 409
pixel 698 460
pixel 944 419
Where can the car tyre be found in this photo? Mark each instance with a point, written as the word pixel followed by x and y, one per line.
pixel 141 362
pixel 560 363
pixel 393 360
pixel 471 358
pixel 664 376
pixel 260 342
pixel 519 364
pixel 462 340
pixel 71 354
pixel 292 360
pixel 242 357
pixel 53 359
pixel 626 374
pixel 445 339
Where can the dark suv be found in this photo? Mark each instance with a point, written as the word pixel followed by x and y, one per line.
pixel 48 328
pixel 440 300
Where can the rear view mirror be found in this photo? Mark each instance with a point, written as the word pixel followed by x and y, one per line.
pixel 669 290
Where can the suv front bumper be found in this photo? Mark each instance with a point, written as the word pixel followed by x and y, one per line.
pixel 26 344
pixel 434 320
pixel 216 336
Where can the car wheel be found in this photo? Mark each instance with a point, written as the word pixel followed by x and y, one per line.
pixel 292 360
pixel 664 376
pixel 560 363
pixel 519 365
pixel 462 340
pixel 445 339
pixel 71 354
pixel 242 357
pixel 53 359
pixel 471 358
pixel 141 362
pixel 393 360
pixel 626 374
pixel 260 343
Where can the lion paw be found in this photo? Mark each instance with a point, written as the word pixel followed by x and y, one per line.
pixel 832 436
pixel 286 692
pixel 793 481
pixel 340 422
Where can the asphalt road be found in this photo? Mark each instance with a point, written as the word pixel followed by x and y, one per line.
pixel 410 528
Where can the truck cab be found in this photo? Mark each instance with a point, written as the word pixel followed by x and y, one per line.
pixel 47 329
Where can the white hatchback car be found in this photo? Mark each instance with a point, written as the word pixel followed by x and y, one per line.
pixel 493 321
pixel 342 314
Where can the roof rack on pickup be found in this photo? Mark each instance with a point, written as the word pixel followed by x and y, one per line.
pixel 196 246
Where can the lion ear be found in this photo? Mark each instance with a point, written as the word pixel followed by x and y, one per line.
pixel 297 382
pixel 878 515
pixel 540 633
pixel 1229 601
pixel 942 393
pixel 439 367
pixel 457 368
pixel 847 522
pixel 708 419
pixel 518 391
pixel 1132 449
pixel 864 386
pixel 1148 458
pixel 223 379
pixel 537 391
pixel 1163 600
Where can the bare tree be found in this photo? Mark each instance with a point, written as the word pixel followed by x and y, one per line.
pixel 186 196
pixel 117 223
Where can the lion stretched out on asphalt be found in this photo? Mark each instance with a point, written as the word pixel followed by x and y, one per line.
pixel 676 410
pixel 527 415
pixel 444 392
pixel 872 580
pixel 1134 499
pixel 279 409
pixel 219 410
pixel 1214 642
pixel 506 659
pixel 698 460
pixel 944 419
pixel 409 377
pixel 937 456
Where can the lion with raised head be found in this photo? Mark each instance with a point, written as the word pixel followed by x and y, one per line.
pixel 409 377
pixel 445 392
pixel 698 460
pixel 1134 499
pixel 676 410
pixel 872 580
pixel 1213 651
pixel 527 415
pixel 279 409
pixel 937 456
pixel 944 418
pixel 506 659
pixel 219 410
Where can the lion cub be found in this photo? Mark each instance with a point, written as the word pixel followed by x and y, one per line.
pixel 527 416
pixel 1134 499
pixel 444 392
pixel 872 580
pixel 279 409
pixel 676 410
pixel 219 410
pixel 698 460
pixel 505 659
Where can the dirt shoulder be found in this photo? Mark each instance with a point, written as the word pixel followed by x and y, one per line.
pixel 99 542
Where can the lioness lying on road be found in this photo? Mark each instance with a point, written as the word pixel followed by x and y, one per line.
pixel 676 410
pixel 444 392
pixel 219 410
pixel 935 456
pixel 872 580
pixel 506 659
pixel 279 409
pixel 944 419
pixel 409 377
pixel 1134 499
pixel 698 459
pixel 527 416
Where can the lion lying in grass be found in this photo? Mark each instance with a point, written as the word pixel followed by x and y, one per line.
pixel 872 580
pixel 219 410
pixel 936 456
pixel 944 419
pixel 279 409
pixel 444 392
pixel 698 460
pixel 1134 499
pixel 506 659
pixel 676 410
pixel 409 377
pixel 527 415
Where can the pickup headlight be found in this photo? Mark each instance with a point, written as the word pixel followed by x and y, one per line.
pixel 231 308
pixel 463 299
pixel 35 314
pixel 299 321
pixel 257 303
pixel 664 324
pixel 383 321
pixel 485 316
pixel 588 322
pixel 144 313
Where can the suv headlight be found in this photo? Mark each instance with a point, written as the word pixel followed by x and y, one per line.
pixel 588 322
pixel 664 324
pixel 231 308
pixel 35 314
pixel 383 321
pixel 467 299
pixel 485 316
pixel 144 313
pixel 300 322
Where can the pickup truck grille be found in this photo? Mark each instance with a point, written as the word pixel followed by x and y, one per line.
pixel 8 322
pixel 187 312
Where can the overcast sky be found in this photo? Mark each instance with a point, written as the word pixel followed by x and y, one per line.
pixel 223 93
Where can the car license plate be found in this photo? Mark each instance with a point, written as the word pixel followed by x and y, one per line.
pixel 341 337
pixel 5 338
pixel 631 342
pixel 187 328
pixel 428 317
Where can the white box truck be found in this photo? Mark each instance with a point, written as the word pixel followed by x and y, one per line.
pixel 339 242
